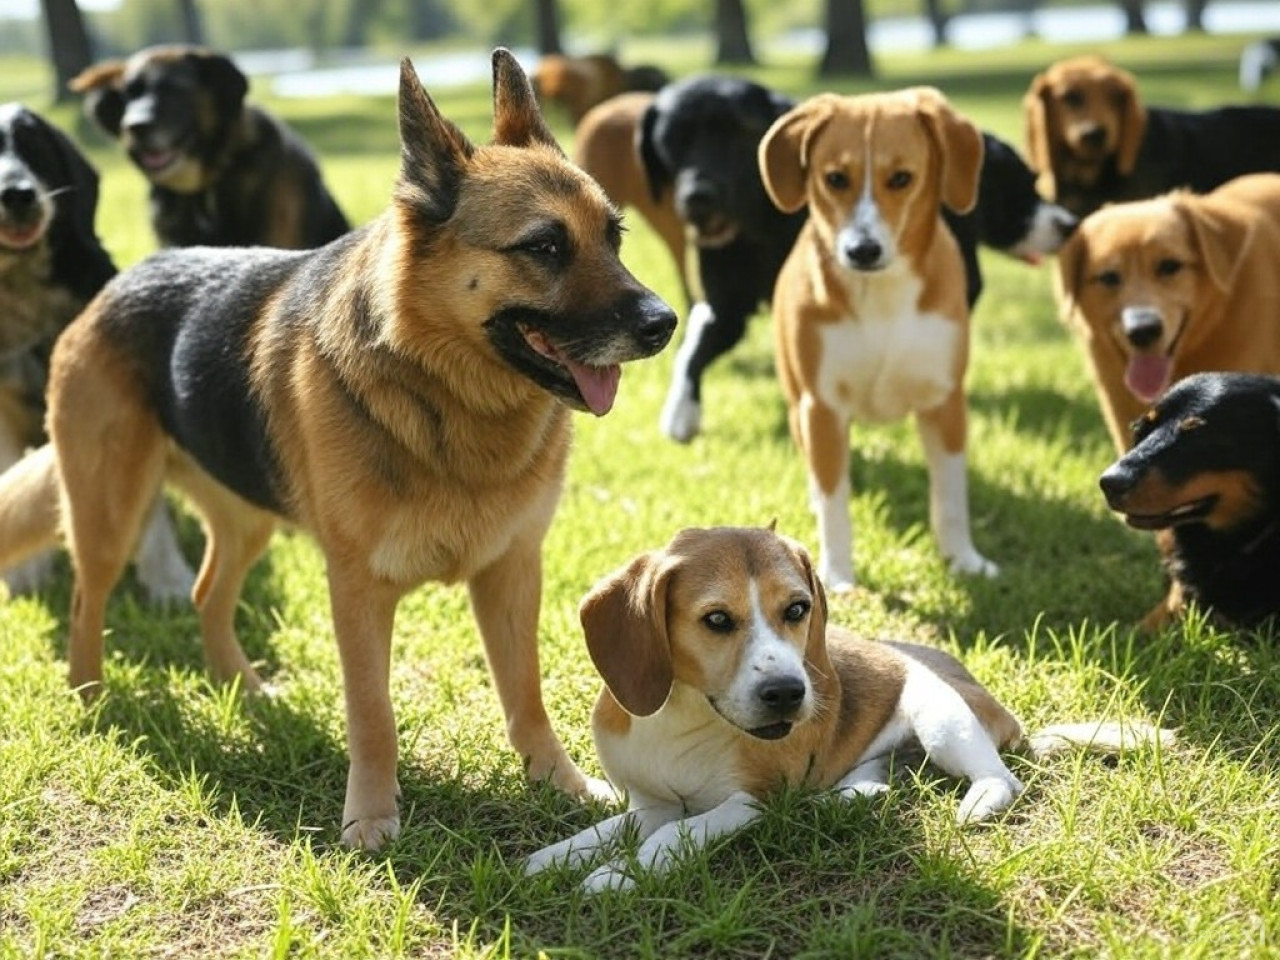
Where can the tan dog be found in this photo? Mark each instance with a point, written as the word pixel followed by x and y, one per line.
pixel 403 394
pixel 1093 140
pixel 1157 289
pixel 579 83
pixel 724 684
pixel 870 312
pixel 606 145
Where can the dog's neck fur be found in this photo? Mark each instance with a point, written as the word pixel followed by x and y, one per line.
pixel 1235 573
pixel 32 306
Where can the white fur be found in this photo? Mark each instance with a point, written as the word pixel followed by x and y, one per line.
pixel 949 505
pixel 1050 225
pixel 681 417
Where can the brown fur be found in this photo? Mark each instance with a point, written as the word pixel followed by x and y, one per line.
pixel 402 434
pixel 576 84
pixel 1219 310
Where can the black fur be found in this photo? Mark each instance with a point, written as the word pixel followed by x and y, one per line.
pixel 1209 424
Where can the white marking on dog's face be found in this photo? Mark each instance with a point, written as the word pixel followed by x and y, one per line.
pixel 26 203
pixel 866 242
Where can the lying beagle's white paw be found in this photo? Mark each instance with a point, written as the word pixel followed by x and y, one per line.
pixel 987 797
pixel 609 877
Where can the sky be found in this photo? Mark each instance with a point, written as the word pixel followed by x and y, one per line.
pixel 26 9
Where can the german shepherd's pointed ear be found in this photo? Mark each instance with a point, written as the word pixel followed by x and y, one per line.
pixel 624 618
pixel 433 151
pixel 103 102
pixel 517 121
pixel 783 153
pixel 959 147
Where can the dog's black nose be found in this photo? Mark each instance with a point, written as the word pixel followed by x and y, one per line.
pixel 699 201
pixel 657 323
pixel 864 254
pixel 1116 481
pixel 18 199
pixel 782 695
pixel 1095 137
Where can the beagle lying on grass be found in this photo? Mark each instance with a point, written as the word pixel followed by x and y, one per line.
pixel 724 683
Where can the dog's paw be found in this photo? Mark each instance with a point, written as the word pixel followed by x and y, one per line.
pixel 544 859
pixel 599 791
pixel 168 582
pixel 609 877
pixel 837 579
pixel 371 834
pixel 681 417
pixel 987 797
pixel 972 563
pixel 863 789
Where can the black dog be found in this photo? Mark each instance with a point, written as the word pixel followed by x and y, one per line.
pixel 222 172
pixel 1205 466
pixel 51 264
pixel 699 138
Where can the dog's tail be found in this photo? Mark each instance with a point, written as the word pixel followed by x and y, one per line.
pixel 1097 737
pixel 29 512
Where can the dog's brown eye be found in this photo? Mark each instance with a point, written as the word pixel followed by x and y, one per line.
pixel 1168 267
pixel 1108 278
pixel 1073 99
pixel 837 180
pixel 719 621
pixel 899 180
pixel 796 612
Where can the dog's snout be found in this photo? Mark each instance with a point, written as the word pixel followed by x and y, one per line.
pixel 864 254
pixel 1116 483
pixel 655 323
pixel 699 200
pixel 1143 326
pixel 18 199
pixel 782 695
pixel 1094 137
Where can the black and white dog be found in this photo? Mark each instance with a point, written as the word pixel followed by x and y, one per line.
pixel 51 264
pixel 699 138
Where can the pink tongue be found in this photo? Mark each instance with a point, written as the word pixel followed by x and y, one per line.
pixel 1147 376
pixel 598 385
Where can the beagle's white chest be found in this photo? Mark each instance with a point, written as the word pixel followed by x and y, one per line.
pixel 887 358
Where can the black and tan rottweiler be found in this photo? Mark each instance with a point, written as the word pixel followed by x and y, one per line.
pixel 1205 469
pixel 223 172
pixel 403 394
pixel 51 264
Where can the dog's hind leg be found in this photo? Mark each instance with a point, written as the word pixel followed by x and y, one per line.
pixel 506 597
pixel 237 534
pixel 28 518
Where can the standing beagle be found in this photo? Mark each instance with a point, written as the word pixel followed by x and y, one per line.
pixel 724 683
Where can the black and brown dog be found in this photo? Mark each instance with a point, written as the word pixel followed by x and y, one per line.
pixel 223 172
pixel 52 264
pixel 1093 140
pixel 1205 468
pixel 402 393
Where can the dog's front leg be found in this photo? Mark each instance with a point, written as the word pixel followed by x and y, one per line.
pixel 506 597
pixel 364 610
pixel 582 846
pixel 942 433
pixel 824 435
pixel 659 851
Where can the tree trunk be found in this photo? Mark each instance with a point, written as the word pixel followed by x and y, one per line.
pixel 69 45
pixel 733 44
pixel 1195 14
pixel 937 18
pixel 548 27
pixel 1135 20
pixel 847 49
pixel 192 28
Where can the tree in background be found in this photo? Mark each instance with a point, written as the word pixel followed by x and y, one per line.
pixel 69 45
pixel 192 28
pixel 548 27
pixel 733 44
pixel 847 49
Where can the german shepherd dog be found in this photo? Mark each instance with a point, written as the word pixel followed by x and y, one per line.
pixel 223 172
pixel 403 394
pixel 52 264
pixel 1205 470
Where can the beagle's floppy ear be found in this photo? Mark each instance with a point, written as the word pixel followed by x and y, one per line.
pixel 1133 122
pixel 783 153
pixel 1220 237
pixel 959 147
pixel 1040 136
pixel 656 172
pixel 624 618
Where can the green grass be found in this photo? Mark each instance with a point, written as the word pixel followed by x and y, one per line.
pixel 173 819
